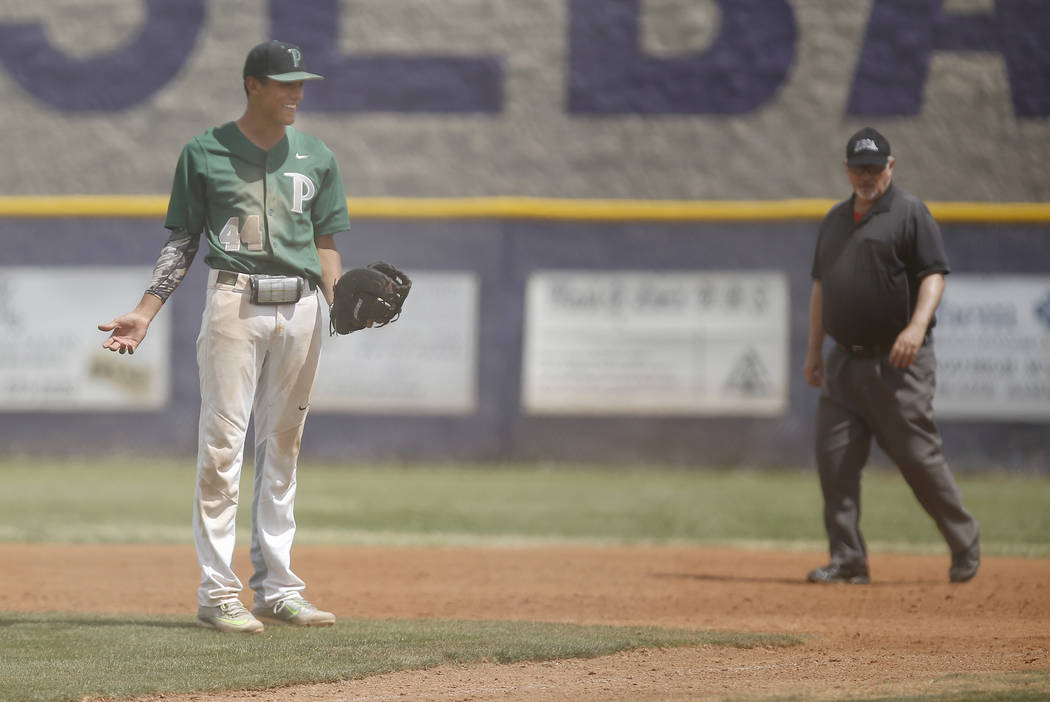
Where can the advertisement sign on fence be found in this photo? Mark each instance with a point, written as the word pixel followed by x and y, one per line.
pixel 52 357
pixel 423 363
pixel 656 343
pixel 993 348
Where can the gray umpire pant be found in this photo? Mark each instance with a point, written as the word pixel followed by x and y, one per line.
pixel 868 397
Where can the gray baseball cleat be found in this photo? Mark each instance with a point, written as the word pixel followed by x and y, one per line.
pixel 296 611
pixel 229 617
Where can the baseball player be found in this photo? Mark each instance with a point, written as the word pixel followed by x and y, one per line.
pixel 878 277
pixel 268 200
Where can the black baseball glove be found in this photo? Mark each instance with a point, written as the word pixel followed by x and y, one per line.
pixel 368 297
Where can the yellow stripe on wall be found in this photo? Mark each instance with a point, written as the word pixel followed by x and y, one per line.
pixel 151 206
pixel 83 206
pixel 574 209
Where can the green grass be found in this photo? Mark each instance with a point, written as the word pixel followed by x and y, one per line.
pixel 65 657
pixel 1038 684
pixel 150 502
pixel 50 657
pixel 1032 686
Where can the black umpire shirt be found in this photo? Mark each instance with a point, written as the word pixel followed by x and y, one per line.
pixel 870 270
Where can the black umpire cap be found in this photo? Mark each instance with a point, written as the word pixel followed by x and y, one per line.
pixel 867 148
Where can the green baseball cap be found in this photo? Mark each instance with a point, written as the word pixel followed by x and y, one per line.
pixel 277 60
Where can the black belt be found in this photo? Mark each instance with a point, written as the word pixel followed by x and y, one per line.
pixel 858 351
pixel 874 350
pixel 231 278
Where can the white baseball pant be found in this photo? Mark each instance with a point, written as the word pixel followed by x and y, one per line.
pixel 261 361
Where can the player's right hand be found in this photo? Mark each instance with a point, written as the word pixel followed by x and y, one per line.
pixel 128 332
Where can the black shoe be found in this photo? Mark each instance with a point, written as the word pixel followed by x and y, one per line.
pixel 839 573
pixel 965 563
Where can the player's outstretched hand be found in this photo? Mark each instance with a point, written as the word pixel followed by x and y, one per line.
pixel 128 332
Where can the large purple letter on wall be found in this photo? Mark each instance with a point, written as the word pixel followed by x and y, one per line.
pixel 110 82
pixel 387 83
pixel 894 62
pixel 741 70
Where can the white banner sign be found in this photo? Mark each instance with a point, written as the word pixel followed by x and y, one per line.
pixel 52 357
pixel 656 343
pixel 424 363
pixel 993 348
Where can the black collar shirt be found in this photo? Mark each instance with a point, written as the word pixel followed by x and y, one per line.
pixel 870 270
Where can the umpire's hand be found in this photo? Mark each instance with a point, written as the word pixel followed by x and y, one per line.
pixel 907 346
pixel 814 369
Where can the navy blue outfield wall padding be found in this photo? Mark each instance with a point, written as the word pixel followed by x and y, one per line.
pixel 503 253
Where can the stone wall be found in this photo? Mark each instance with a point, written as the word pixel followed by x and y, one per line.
pixel 667 99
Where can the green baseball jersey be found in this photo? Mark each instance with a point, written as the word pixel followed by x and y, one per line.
pixel 259 211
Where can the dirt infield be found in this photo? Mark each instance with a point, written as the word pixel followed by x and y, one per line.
pixel 910 632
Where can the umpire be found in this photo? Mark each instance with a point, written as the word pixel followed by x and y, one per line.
pixel 878 276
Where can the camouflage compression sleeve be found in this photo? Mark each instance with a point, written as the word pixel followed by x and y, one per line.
pixel 174 260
